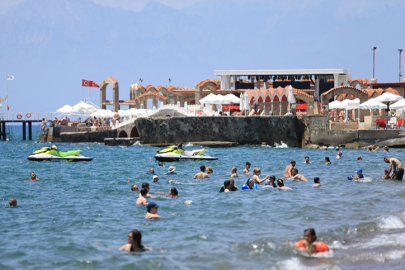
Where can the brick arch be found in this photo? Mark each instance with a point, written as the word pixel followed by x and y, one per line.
pixel 276 98
pixel 162 90
pixel 268 99
pixel 123 134
pixel 260 99
pixel 211 85
pixel 152 95
pixel 361 94
pixel 134 132
pixel 299 94
pixel 151 89
pixel 103 88
pixel 284 98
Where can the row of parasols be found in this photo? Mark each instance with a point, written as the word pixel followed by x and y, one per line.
pixel 373 103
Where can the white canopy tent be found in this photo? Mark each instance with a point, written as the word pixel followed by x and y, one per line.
pixel 67 109
pixel 372 104
pixel 230 98
pixel 388 97
pixel 398 105
pixel 103 114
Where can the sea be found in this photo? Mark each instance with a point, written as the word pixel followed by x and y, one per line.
pixel 79 214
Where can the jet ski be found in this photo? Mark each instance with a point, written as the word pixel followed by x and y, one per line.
pixel 53 154
pixel 177 153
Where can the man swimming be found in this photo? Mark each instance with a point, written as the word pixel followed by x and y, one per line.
pixel 12 202
pixel 232 187
pixel 33 177
pixel 339 155
pixel 234 174
pixel 296 176
pixel 134 188
pixel 247 169
pixel 280 184
pixel 226 186
pixel 288 169
pixel 142 199
pixel 202 174
pixel 152 171
pixel 395 167
pixel 155 179
pixel 307 160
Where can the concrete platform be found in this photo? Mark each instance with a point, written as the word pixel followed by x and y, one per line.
pixel 120 141
pixel 209 144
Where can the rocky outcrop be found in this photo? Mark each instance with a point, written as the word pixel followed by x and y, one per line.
pixel 242 130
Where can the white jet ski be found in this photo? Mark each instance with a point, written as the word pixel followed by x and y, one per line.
pixel 53 154
pixel 176 153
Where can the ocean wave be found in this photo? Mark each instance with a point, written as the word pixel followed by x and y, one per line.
pixel 138 143
pixel 282 145
pixel 295 263
pixel 391 222
pixel 188 145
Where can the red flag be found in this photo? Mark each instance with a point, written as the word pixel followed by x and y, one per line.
pixel 89 84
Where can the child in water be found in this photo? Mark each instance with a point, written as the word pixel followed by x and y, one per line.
pixel 316 181
pixel 327 160
pixel 386 175
pixel 359 174
pixel 309 245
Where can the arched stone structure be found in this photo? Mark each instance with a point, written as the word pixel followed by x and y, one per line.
pixel 212 85
pixel 123 134
pixel 134 132
pixel 103 86
pixel 144 97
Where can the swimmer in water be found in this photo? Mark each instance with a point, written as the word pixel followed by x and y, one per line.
pixel 209 170
pixel 134 243
pixel 395 167
pixel 359 158
pixel 152 171
pixel 309 245
pixel 288 169
pixel 270 182
pixel 359 174
pixel 202 174
pixel 316 182
pixel 327 160
pixel 234 174
pixel 369 149
pixel 173 192
pixel 325 148
pixel 226 186
pixel 142 199
pixel 247 169
pixel 337 148
pixel 146 186
pixel 280 184
pixel 386 149
pixel 171 170
pixel 296 176
pixel 12 202
pixel 33 177
pixel 152 210
pixel 307 160
pixel 339 155
pixel 155 179
pixel 386 175
pixel 161 164
pixel 134 188
pixel 256 179
pixel 232 187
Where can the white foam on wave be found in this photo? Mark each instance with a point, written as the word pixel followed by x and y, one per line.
pixel 382 240
pixel 337 245
pixel 282 145
pixel 391 222
pixel 138 143
pixel 295 263
pixel 189 145
pixel 188 202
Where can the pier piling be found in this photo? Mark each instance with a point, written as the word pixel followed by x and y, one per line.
pixel 30 130
pixel 24 131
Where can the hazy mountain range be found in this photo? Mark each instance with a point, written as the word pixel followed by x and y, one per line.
pixel 49 46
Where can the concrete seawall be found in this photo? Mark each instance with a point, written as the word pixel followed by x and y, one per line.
pixel 243 130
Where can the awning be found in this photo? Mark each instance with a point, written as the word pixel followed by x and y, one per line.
pixel 301 107
pixel 230 107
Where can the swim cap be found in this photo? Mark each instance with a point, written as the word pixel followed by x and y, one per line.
pixel 359 170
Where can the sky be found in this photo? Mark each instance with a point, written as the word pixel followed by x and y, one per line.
pixel 51 45
pixel 135 5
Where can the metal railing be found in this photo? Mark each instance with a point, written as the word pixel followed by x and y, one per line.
pixel 28 116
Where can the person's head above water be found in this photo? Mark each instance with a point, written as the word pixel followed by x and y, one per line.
pixel 232 181
pixel 340 153
pixel 294 171
pixel 306 159
pixel 145 185
pixel 161 164
pixel 316 180
pixel 257 171
pixel 135 188
pixel 12 202
pixel 173 191
pixel 172 169
pixel 248 165
pixel 209 169
pixel 280 182
pixel 310 235
pixel 250 183
pixel 293 163
pixel 387 159
pixel 234 169
pixel 227 183
pixel 359 171
pixel 144 192
pixel 155 179
pixel 337 148
pixel 33 176
pixel 359 158
pixel 327 159
pixel 202 168
pixel 152 207
pixel 325 148
pixel 370 148
pixel 151 170
pixel 135 238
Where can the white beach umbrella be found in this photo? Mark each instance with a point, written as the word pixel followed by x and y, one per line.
pixel 67 109
pixel 207 98
pixel 123 113
pixel 350 104
pixel 231 98
pixel 335 105
pixel 241 102
pixel 372 104
pixel 103 114
pixel 84 106
pixel 246 101
pixel 388 97
pixel 291 97
pixel 398 105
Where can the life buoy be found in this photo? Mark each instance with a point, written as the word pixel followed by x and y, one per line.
pixel 28 115
pixel 19 116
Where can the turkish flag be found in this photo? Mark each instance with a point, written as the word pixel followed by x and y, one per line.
pixel 89 84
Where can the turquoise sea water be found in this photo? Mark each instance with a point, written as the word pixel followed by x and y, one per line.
pixel 60 219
